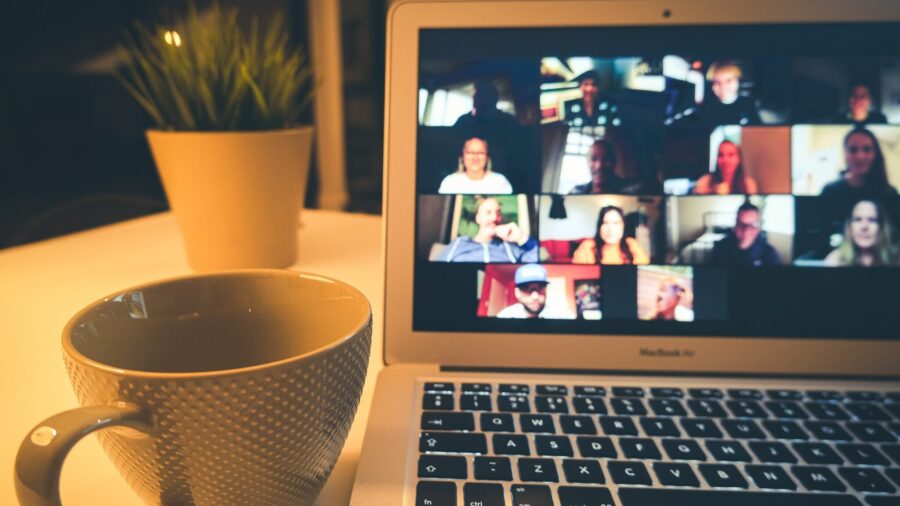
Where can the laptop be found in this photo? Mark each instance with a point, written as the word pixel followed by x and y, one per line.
pixel 639 253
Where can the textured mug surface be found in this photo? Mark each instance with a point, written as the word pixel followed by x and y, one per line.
pixel 251 380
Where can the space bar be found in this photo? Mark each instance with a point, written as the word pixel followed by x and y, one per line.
pixel 678 497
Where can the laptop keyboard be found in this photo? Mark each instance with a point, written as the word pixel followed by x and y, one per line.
pixel 484 444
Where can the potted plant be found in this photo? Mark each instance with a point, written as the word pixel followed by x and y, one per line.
pixel 226 143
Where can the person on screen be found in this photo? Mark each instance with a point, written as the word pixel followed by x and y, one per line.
pixel 474 173
pixel 531 293
pixel 594 108
pixel 727 106
pixel 484 109
pixel 670 299
pixel 867 240
pixel 864 178
pixel 495 241
pixel 745 245
pixel 609 245
pixel 859 107
pixel 602 161
pixel 729 176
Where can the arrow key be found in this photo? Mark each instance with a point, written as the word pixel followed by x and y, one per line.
pixel 492 468
pixel 439 466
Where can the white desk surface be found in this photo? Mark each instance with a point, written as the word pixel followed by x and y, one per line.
pixel 43 284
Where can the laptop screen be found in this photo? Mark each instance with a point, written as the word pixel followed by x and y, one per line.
pixel 705 180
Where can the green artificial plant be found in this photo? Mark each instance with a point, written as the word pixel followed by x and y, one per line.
pixel 203 73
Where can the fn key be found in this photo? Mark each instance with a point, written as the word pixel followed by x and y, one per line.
pixel 436 493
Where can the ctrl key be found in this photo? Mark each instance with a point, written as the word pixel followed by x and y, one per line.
pixel 436 493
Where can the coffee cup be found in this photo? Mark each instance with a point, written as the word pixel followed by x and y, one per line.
pixel 235 388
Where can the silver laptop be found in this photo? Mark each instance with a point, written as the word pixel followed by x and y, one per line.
pixel 639 253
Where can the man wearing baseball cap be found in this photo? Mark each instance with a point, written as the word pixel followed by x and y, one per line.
pixel 531 293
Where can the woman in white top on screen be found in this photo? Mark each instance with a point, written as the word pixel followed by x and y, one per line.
pixel 474 174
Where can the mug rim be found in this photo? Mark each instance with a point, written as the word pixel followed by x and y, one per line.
pixel 72 352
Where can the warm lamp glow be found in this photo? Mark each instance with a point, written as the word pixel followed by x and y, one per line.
pixel 172 38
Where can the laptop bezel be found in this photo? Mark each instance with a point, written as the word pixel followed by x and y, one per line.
pixel 684 354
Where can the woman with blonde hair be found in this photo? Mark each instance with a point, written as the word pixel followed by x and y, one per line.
pixel 474 173
pixel 868 239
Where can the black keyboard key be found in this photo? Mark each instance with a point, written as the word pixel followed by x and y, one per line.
pixel 531 495
pixel 513 404
pixel 639 448
pixel 596 447
pixel 553 446
pixel 862 454
pixel 510 444
pixel 685 497
pixel 770 478
pixel 660 427
pixel 893 396
pixel 781 429
pixel 893 451
pixel 828 431
pixel 443 402
pixel 618 426
pixel 551 404
pixel 435 493
pixel 675 475
pixel 537 423
pixel 483 494
pixel 826 411
pixel 475 402
pixel 538 470
pixel 784 395
pixel 787 410
pixel 746 409
pixel 577 425
pixel 707 408
pixel 818 479
pixel 864 396
pixel 667 393
pixel 882 500
pixel 683 449
pixel 477 388
pixel 497 422
pixel 817 453
pixel 825 395
pixel 492 468
pixel 866 479
pixel 771 452
pixel 452 442
pixel 440 388
pixel 871 432
pixel 552 390
pixel 667 407
pixel 628 406
pixel 706 393
pixel 442 466
pixel 894 409
pixel 583 471
pixel 589 405
pixel 745 394
pixel 895 428
pixel 867 412
pixel 584 496
pixel 507 389
pixel 628 473
pixel 743 429
pixel 893 474
pixel 722 476
pixel 628 391
pixel 432 420
pixel 700 428
pixel 583 391
pixel 728 451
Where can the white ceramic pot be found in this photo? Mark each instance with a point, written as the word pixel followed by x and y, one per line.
pixel 236 195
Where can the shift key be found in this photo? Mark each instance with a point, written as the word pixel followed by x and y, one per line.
pixel 452 442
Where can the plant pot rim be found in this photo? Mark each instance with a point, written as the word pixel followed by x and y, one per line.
pixel 281 131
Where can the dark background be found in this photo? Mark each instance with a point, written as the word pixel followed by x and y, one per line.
pixel 72 148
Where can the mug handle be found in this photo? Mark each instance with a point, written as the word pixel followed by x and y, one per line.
pixel 42 453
